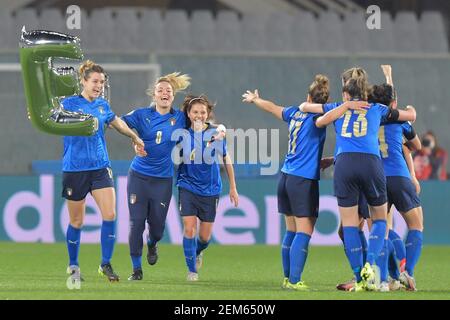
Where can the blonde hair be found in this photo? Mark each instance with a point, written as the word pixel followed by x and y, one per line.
pixel 88 67
pixel 319 90
pixel 355 83
pixel 177 81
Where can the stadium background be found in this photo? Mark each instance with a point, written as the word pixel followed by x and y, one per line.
pixel 227 46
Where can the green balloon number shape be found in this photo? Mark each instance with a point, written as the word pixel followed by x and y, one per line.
pixel 45 86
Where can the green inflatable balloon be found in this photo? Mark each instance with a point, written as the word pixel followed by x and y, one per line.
pixel 45 85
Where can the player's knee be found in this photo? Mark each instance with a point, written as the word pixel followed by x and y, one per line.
pixel 189 231
pixel 110 216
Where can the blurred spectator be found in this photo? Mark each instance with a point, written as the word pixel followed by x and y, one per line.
pixel 431 161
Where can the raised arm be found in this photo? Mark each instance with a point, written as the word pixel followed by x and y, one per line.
pixel 234 197
pixel 266 105
pixel 387 71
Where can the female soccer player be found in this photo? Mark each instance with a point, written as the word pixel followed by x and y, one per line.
pixel 298 187
pixel 401 191
pixel 358 167
pixel 199 181
pixel 86 168
pixel 149 187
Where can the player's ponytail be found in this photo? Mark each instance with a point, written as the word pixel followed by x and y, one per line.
pixel 177 81
pixel 88 67
pixel 319 90
pixel 354 81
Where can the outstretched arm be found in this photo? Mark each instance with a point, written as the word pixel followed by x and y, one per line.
pixel 266 105
pixel 123 128
pixel 234 197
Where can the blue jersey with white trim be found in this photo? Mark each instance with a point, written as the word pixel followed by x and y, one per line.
pixel 84 153
pixel 305 144
pixel 199 171
pixel 391 148
pixel 357 130
pixel 156 131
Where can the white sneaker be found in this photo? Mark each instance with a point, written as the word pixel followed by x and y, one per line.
pixel 192 276
pixel 384 286
pixel 74 280
pixel 199 261
pixel 408 281
pixel 394 285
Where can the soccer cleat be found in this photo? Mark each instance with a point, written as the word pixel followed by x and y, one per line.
pixel 69 271
pixel 285 283
pixel 370 275
pixel 107 271
pixel 384 286
pixel 358 287
pixel 407 281
pixel 73 281
pixel 152 254
pixel 136 275
pixel 192 276
pixel 394 285
pixel 346 286
pixel 299 286
pixel 199 261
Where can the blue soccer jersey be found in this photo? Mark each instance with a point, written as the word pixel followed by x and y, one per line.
pixel 199 171
pixel 156 132
pixel 87 153
pixel 357 130
pixel 390 137
pixel 305 144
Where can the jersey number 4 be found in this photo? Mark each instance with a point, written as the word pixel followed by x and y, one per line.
pixel 359 125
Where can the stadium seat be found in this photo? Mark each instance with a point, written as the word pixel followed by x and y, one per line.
pixel 53 20
pixel 25 17
pixel 305 37
pixel 126 25
pixel 329 29
pixel 228 31
pixel 99 36
pixel 278 32
pixel 253 37
pixel 356 33
pixel 176 32
pixel 432 32
pixel 150 32
pixel 406 32
pixel 382 40
pixel 8 38
pixel 203 27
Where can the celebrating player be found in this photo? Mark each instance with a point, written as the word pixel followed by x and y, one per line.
pixel 86 168
pixel 199 181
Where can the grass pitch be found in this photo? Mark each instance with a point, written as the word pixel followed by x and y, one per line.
pixel 37 271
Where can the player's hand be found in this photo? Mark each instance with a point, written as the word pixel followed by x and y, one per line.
pixel 387 69
pixel 416 184
pixel 326 162
pixel 139 147
pixel 234 197
pixel 358 105
pixel 221 132
pixel 249 96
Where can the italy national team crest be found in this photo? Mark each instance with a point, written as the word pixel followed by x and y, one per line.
pixel 101 109
pixel 172 121
pixel 132 198
pixel 69 191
